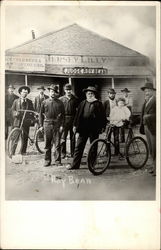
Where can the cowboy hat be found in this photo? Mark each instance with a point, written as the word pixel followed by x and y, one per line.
pixel 24 87
pixel 111 91
pixel 125 90
pixel 90 88
pixel 54 87
pixel 68 86
pixel 148 85
pixel 41 87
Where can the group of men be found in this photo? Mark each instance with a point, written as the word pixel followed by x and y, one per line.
pixel 59 116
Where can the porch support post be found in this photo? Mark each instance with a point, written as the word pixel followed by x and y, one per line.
pixel 26 80
pixel 113 83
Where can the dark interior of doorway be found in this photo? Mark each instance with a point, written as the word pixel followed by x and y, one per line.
pixel 83 83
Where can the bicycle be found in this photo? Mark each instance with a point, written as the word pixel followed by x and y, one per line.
pixel 99 155
pixel 15 138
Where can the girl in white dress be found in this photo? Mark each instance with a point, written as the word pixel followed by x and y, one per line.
pixel 119 113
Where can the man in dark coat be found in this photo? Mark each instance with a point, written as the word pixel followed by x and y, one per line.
pixel 70 104
pixel 109 104
pixel 23 103
pixel 9 99
pixel 89 122
pixel 148 120
pixel 52 121
pixel 39 99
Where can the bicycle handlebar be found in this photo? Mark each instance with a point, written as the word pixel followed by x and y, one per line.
pixel 28 110
pixel 24 114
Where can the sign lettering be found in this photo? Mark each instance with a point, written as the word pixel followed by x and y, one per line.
pixel 85 71
pixel 25 63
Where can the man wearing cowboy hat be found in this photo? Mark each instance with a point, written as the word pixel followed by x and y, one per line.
pixel 23 103
pixel 128 100
pixel 148 120
pixel 70 104
pixel 39 99
pixel 9 99
pixel 52 121
pixel 89 121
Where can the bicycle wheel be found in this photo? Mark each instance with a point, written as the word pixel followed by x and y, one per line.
pixel 137 152
pixel 99 156
pixel 14 142
pixel 40 142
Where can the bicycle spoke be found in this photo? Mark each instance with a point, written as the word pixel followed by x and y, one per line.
pixel 98 157
pixel 137 152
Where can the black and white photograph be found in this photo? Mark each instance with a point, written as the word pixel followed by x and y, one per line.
pixel 82 94
pixel 80 104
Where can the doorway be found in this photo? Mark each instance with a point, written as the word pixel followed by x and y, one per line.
pixel 82 83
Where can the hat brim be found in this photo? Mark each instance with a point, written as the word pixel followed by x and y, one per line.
pixel 143 88
pixel 56 91
pixel 24 87
pixel 67 89
pixel 91 90
pixel 124 90
pixel 111 92
pixel 41 88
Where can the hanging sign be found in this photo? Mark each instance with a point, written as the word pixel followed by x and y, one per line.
pixel 84 71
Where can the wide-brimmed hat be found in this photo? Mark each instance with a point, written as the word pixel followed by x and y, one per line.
pixel 148 85
pixel 54 87
pixel 11 86
pixel 111 91
pixel 125 90
pixel 24 87
pixel 41 87
pixel 90 88
pixel 68 86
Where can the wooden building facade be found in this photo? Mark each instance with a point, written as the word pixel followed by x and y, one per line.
pixel 80 57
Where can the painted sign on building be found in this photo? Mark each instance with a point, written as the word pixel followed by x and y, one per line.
pixel 84 71
pixel 90 61
pixel 23 62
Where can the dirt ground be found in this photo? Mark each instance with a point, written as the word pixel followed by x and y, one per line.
pixel 29 180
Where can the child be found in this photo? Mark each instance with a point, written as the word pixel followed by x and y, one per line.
pixel 119 114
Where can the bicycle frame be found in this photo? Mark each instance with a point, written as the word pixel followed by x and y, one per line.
pixel 24 115
pixel 130 135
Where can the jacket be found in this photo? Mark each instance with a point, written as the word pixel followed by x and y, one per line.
pixel 29 118
pixel 107 107
pixel 52 112
pixel 70 105
pixel 38 101
pixel 97 119
pixel 9 99
pixel 148 116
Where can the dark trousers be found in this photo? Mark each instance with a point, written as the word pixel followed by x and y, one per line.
pixel 25 130
pixel 52 136
pixel 115 131
pixel 81 143
pixel 151 139
pixel 68 128
pixel 25 133
pixel 8 128
pixel 122 134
